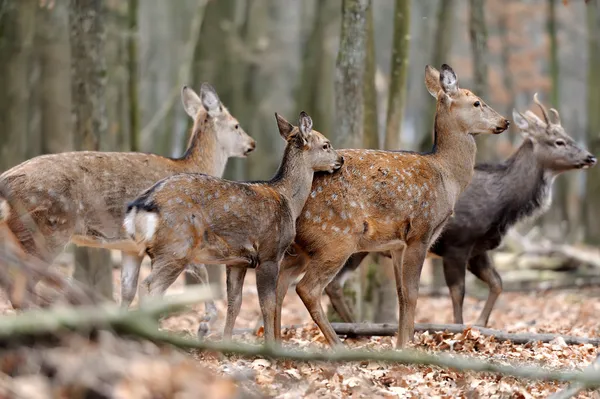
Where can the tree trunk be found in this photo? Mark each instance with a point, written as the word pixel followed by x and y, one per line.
pixel 441 50
pixel 133 76
pixel 55 94
pixel 592 203
pixel 399 74
pixel 507 75
pixel 350 71
pixel 478 34
pixel 17 28
pixel 370 125
pixel 88 84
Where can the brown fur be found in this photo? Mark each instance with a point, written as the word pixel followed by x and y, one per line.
pixel 189 219
pixel 81 196
pixel 386 200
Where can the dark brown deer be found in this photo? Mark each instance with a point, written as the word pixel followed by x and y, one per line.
pixel 190 219
pixel 499 196
pixel 80 197
pixel 387 200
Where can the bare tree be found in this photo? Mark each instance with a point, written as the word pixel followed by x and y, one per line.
pixel 399 74
pixel 88 69
pixel 592 203
pixel 17 29
pixel 370 125
pixel 132 78
pixel 350 70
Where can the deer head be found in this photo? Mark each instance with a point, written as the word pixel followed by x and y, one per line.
pixel 232 138
pixel 315 148
pixel 553 147
pixel 468 110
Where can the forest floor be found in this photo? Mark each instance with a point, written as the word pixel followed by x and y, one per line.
pixel 566 312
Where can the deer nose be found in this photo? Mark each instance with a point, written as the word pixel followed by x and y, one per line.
pixel 341 160
pixel 252 145
pixel 591 160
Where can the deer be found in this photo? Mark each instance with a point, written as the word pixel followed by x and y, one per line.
pixel 500 195
pixel 80 197
pixel 190 219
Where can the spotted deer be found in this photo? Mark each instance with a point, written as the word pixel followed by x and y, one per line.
pixel 190 219
pixel 80 197
pixel 499 196
pixel 397 201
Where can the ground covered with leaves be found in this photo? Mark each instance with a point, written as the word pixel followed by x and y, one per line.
pixel 564 312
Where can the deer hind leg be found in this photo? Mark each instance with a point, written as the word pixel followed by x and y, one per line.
pixel 455 265
pixel 483 267
pixel 335 289
pixel 164 273
pixel 291 267
pixel 266 284
pixel 235 283
pixel 197 274
pixel 407 267
pixel 319 273
pixel 130 272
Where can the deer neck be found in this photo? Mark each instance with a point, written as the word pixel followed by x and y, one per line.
pixel 293 179
pixel 455 149
pixel 203 153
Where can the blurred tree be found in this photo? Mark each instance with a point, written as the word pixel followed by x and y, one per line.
pixel 592 203
pixel 442 44
pixel 17 31
pixel 478 34
pixel 133 76
pixel 350 71
pixel 399 74
pixel 52 45
pixel 508 81
pixel 88 84
pixel 370 117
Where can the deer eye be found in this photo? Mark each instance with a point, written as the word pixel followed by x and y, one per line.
pixel 326 146
pixel 237 126
pixel 476 104
pixel 560 143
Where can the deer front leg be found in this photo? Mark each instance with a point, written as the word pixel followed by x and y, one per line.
pixel 407 267
pixel 266 284
pixel 455 265
pixel 291 268
pixel 130 272
pixel 235 283
pixel 197 274
pixel 483 267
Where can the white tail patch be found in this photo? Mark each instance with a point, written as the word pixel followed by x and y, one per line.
pixel 4 210
pixel 141 225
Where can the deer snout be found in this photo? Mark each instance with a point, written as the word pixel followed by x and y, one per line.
pixel 590 161
pixel 502 127
pixel 339 162
pixel 251 147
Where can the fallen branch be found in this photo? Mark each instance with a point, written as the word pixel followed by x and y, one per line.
pixel 574 388
pixel 372 329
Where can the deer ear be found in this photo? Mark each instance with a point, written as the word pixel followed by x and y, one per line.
pixel 520 120
pixel 432 80
pixel 305 123
pixel 285 128
pixel 191 101
pixel 210 100
pixel 448 80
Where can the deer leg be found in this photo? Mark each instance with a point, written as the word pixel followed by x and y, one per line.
pixel 291 268
pixel 335 289
pixel 454 271
pixel 130 272
pixel 197 274
pixel 266 284
pixel 235 283
pixel 163 275
pixel 310 289
pixel 482 267
pixel 407 267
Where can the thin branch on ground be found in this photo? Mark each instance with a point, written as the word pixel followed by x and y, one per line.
pixel 574 388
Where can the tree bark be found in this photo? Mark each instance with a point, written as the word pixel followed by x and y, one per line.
pixel 478 34
pixel 17 28
pixel 133 76
pixel 88 85
pixel 592 203
pixel 441 50
pixel 370 117
pixel 55 94
pixel 350 71
pixel 399 75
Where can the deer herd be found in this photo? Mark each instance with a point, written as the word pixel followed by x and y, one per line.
pixel 318 217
